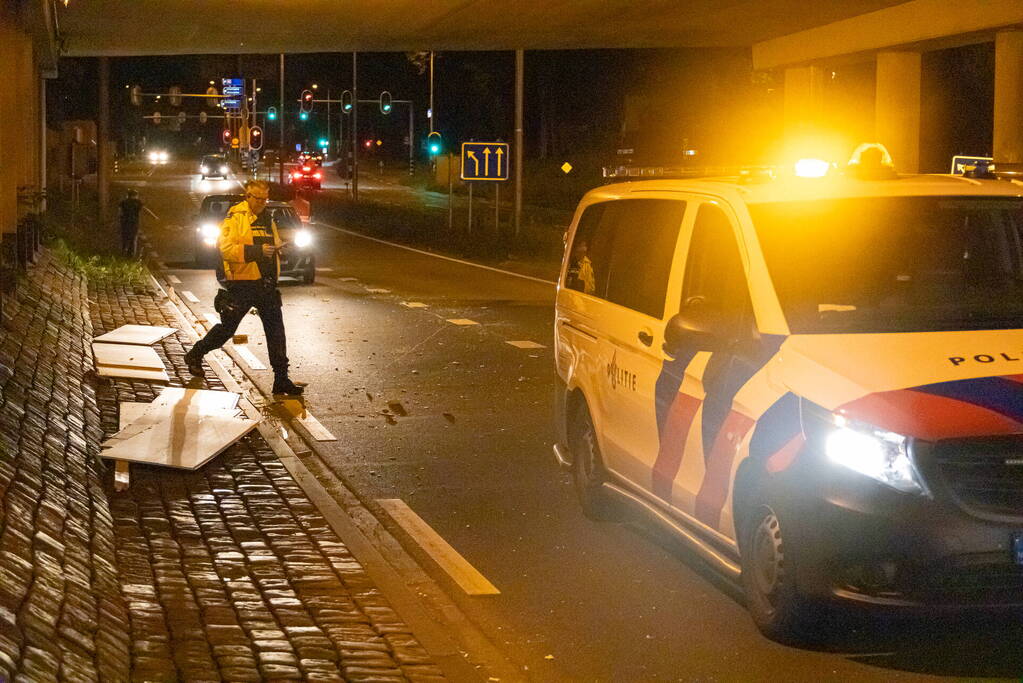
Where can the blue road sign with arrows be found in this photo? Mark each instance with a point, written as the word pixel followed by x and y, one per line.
pixel 485 160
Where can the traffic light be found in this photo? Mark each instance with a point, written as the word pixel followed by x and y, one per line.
pixel 271 113
pixel 347 102
pixel 256 138
pixel 385 102
pixel 323 142
pixel 226 136
pixel 434 144
pixel 303 115
pixel 306 101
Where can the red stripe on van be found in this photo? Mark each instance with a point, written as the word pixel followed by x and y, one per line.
pixel 782 459
pixel 673 443
pixel 927 416
pixel 716 480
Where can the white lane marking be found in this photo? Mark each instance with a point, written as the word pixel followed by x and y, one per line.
pixel 249 357
pixel 414 304
pixel 526 345
pixel 440 256
pixel 457 567
pixel 212 318
pixel 316 430
pixel 189 296
pixel 377 290
pixel 174 279
pixel 462 321
pixel 324 270
pixel 347 279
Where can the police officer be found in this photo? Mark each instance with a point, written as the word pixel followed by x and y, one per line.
pixel 249 248
pixel 131 209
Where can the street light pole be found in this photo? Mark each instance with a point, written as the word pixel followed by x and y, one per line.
pixel 355 129
pixel 280 151
pixel 519 69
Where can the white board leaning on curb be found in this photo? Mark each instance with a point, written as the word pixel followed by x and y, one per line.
pixel 136 334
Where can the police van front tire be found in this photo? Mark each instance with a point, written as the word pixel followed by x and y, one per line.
pixel 588 473
pixel 773 599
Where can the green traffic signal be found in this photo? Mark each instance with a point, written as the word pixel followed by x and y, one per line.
pixel 304 115
pixel 434 143
pixel 323 142
pixel 271 114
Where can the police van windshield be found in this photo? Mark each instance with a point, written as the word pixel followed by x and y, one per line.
pixel 895 264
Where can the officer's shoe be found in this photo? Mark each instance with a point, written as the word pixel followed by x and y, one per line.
pixel 193 360
pixel 285 387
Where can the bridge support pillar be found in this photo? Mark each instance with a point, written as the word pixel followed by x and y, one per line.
pixel 1008 121
pixel 897 108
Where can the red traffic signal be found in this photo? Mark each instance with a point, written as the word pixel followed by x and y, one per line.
pixel 306 101
pixel 256 137
pixel 226 136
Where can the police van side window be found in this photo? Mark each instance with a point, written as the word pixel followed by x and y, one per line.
pixel 714 274
pixel 646 232
pixel 591 252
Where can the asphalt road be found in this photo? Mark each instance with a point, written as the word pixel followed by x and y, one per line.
pixel 457 423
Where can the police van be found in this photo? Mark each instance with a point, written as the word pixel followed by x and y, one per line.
pixel 813 377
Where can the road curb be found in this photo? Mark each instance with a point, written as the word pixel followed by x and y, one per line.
pixel 439 625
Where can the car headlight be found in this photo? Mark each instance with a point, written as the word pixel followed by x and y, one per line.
pixel 873 452
pixel 209 233
pixel 303 238
pixel 204 170
pixel 154 156
pixel 164 156
pixel 223 170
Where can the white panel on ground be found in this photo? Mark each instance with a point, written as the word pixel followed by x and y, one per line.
pixel 414 304
pixel 175 400
pixel 462 321
pixel 324 270
pixel 136 334
pixel 211 318
pixel 130 412
pixel 249 357
pixel 174 279
pixel 377 290
pixel 463 573
pixel 128 360
pixel 189 296
pixel 526 345
pixel 184 438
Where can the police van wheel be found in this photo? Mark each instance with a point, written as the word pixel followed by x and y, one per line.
pixel 588 472
pixel 768 576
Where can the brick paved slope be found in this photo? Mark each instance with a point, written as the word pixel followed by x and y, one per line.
pixel 226 573
pixel 62 615
pixel 230 572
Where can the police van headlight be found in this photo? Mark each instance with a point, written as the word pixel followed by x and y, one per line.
pixel 204 170
pixel 223 170
pixel 209 233
pixel 303 238
pixel 873 452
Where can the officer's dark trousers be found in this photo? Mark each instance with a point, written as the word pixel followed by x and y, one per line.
pixel 265 299
pixel 129 240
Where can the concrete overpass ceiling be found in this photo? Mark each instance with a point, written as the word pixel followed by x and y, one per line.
pixel 168 27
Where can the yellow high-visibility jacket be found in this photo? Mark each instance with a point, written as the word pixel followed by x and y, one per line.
pixel 237 246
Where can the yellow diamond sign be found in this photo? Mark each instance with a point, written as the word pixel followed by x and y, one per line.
pixel 566 167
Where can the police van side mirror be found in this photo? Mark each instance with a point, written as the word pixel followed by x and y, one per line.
pixel 697 327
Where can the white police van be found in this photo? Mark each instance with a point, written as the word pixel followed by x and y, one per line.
pixel 814 378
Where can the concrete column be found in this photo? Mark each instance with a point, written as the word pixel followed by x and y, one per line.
pixel 102 144
pixel 897 108
pixel 42 140
pixel 1008 128
pixel 804 98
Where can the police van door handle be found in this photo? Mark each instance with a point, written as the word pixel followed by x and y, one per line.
pixel 646 338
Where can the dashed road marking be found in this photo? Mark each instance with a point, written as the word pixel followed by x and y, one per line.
pixel 212 318
pixel 249 357
pixel 316 430
pixel 414 304
pixel 347 279
pixel 526 345
pixel 457 567
pixel 324 270
pixel 377 290
pixel 174 279
pixel 462 321
pixel 189 296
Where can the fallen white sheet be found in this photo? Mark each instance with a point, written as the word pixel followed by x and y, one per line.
pixel 174 400
pixel 136 334
pixel 128 360
pixel 187 440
